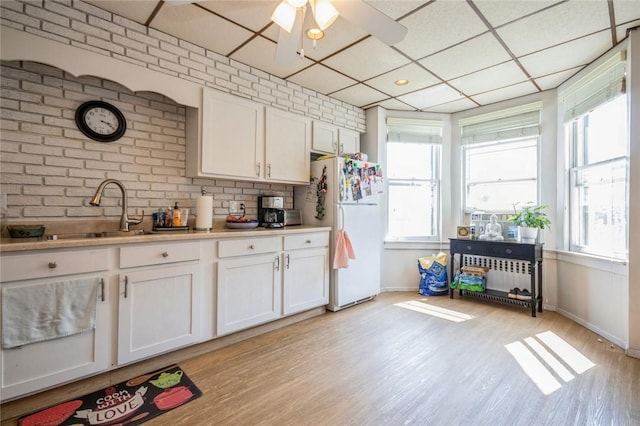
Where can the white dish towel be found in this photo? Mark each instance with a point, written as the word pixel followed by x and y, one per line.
pixel 47 311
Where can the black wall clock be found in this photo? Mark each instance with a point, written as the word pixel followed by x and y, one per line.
pixel 101 121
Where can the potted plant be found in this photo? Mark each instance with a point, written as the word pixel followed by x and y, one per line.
pixel 529 219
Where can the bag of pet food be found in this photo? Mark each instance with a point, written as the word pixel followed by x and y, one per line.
pixel 433 275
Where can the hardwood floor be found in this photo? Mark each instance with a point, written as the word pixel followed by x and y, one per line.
pixel 383 364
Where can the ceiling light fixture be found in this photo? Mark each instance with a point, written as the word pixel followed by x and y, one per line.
pixel 284 15
pixel 324 14
pixel 402 82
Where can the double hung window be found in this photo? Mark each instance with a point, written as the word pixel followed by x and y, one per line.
pixel 595 128
pixel 413 178
pixel 500 159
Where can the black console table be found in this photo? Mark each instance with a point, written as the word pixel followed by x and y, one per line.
pixel 531 253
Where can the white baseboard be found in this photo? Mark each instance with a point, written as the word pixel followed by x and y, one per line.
pixel 610 337
pixel 635 353
pixel 390 289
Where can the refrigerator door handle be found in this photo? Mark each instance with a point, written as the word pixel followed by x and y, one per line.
pixel 341 218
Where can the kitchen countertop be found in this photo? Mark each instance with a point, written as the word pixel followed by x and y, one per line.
pixel 8 244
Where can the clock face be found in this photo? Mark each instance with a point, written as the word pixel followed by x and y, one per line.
pixel 101 121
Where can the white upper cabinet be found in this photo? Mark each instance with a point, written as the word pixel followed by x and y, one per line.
pixel 330 139
pixel 239 139
pixel 287 147
pixel 231 144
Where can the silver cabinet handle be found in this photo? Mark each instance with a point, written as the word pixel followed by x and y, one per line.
pixel 508 251
pixel 258 169
pixel 308 242
pixel 102 288
pixel 268 169
pixel 277 263
pixel 251 247
pixel 53 265
pixel 288 259
pixel 126 285
pixel 165 254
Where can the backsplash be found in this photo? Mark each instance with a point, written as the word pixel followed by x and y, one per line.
pixel 50 170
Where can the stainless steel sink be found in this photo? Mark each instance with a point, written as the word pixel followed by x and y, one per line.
pixel 87 235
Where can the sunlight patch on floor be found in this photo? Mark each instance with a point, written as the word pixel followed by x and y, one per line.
pixel 435 311
pixel 548 358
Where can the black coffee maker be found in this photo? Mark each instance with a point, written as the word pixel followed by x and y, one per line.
pixel 271 211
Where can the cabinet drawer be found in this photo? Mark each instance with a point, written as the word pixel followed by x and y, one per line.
pixel 158 254
pixel 512 251
pixel 248 246
pixel 52 264
pixel 300 241
pixel 469 247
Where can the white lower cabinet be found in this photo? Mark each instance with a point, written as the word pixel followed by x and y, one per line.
pixel 36 366
pixel 306 272
pixel 158 307
pixel 248 292
pixel 249 283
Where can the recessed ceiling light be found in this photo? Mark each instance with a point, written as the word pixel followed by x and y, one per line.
pixel 402 82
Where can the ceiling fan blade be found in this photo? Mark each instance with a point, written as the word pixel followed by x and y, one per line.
pixel 288 43
pixel 179 2
pixel 371 20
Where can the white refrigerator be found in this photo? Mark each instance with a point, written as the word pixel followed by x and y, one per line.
pixel 344 194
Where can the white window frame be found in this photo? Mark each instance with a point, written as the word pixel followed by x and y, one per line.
pixel 600 86
pixel 500 127
pixel 423 131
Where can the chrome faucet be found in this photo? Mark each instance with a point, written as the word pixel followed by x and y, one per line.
pixel 124 219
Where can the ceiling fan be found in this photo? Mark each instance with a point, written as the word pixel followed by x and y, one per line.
pixel 289 15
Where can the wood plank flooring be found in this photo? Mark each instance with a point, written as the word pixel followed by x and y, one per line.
pixel 381 364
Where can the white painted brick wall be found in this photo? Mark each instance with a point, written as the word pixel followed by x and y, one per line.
pixel 49 170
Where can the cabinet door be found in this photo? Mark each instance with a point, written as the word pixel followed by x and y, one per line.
pixel 249 292
pixel 40 365
pixel 232 136
pixel 325 137
pixel 306 279
pixel 288 147
pixel 158 311
pixel 349 141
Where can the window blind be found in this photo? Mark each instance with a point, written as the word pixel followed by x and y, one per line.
pixel 503 125
pixel 414 130
pixel 599 86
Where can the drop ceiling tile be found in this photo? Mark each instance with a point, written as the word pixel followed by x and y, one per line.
pixel 626 10
pixel 204 29
pixel 439 25
pixel 499 13
pixel 252 14
pixel 552 81
pixel 510 92
pixel 322 79
pixel 260 53
pixel 359 95
pixel 138 11
pixel 567 55
pixel 473 55
pixel 431 96
pixel 554 26
pixel 366 59
pixel 417 76
pixel 394 104
pixel 394 8
pixel 451 107
pixel 482 81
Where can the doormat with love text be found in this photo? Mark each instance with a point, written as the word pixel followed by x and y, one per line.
pixel 128 403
